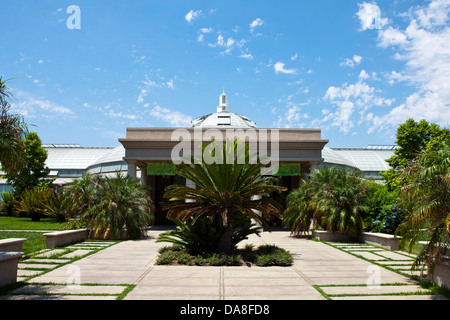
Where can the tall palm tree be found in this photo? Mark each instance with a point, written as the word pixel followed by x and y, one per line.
pixel 12 133
pixel 224 189
pixel 427 197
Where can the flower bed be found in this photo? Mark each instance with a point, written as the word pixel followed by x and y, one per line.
pixel 263 256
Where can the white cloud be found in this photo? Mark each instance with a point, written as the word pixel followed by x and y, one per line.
pixel 424 48
pixel 142 95
pixel 391 36
pixel 350 99
pixel 394 77
pixel 202 33
pixel 246 56
pixel 256 23
pixel 356 60
pixel 370 16
pixel 192 15
pixel 173 118
pixel 31 107
pixel 279 68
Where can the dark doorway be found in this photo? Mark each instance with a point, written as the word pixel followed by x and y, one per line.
pixel 160 184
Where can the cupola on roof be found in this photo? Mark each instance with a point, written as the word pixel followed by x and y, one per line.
pixel 223 118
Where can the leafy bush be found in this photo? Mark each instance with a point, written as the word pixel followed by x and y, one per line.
pixel 271 255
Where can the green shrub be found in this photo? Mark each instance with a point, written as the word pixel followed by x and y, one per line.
pixel 270 255
pixel 7 203
pixel 266 255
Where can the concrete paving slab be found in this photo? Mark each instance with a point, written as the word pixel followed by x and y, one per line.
pixel 393 297
pixel 56 261
pixel 133 262
pixel 70 289
pixel 76 253
pixel 37 265
pixel 373 290
pixel 49 253
pixel 56 297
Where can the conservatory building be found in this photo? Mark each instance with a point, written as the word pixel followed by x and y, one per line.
pixel 148 153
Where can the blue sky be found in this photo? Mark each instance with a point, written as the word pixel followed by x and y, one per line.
pixel 355 69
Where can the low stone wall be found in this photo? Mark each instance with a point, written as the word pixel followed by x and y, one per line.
pixel 63 238
pixel 8 267
pixel 384 240
pixel 12 245
pixel 387 241
pixel 324 235
pixel 441 275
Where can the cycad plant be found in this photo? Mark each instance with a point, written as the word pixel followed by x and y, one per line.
pixel 427 198
pixel 223 189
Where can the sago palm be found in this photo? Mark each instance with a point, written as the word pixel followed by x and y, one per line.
pixel 224 189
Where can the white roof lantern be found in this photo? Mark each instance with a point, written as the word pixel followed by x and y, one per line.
pixel 223 118
pixel 223 104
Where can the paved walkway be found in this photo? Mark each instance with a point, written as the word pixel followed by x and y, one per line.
pixel 127 270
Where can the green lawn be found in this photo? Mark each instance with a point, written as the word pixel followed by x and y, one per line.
pixel 35 240
pixel 17 223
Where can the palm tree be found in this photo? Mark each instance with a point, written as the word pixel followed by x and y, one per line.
pixel 111 205
pixel 300 211
pixel 223 190
pixel 12 133
pixel 331 197
pixel 427 197
pixel 340 199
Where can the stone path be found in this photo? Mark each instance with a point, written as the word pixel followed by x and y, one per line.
pixel 127 270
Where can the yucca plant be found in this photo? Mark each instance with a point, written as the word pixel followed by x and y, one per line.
pixel 224 189
pixel 33 202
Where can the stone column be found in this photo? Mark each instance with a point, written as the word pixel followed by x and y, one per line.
pixel 132 170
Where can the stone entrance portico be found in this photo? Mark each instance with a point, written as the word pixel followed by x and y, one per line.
pixel 152 149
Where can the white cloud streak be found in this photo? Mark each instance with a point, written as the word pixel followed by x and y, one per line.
pixel 192 15
pixel 280 68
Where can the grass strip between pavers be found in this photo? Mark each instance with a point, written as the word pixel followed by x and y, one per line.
pixel 119 296
pixel 434 289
